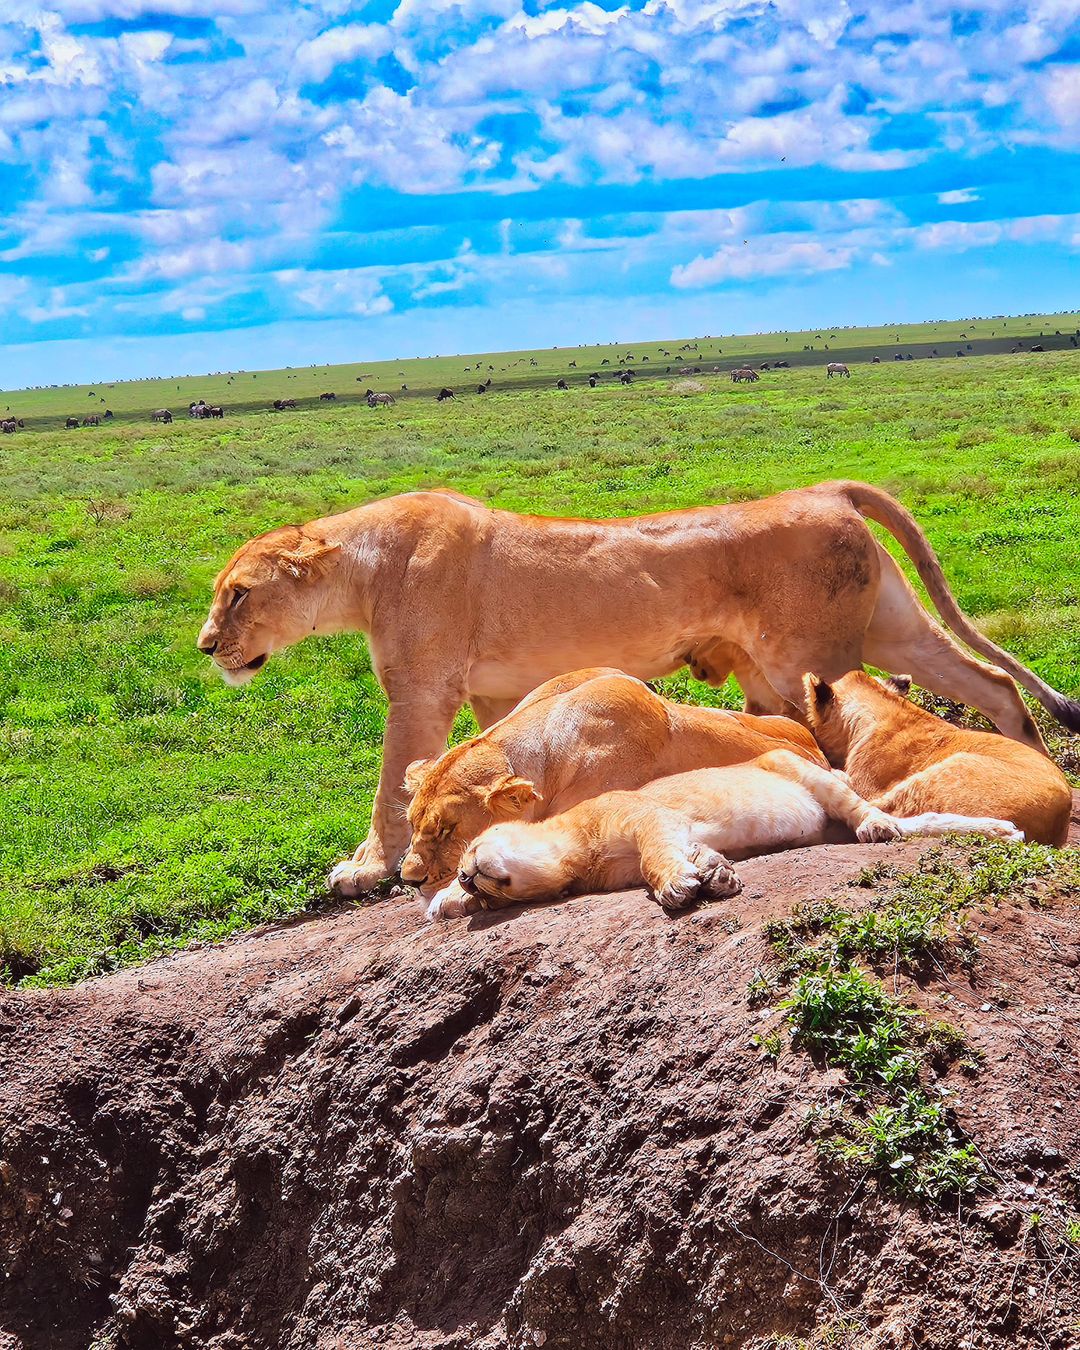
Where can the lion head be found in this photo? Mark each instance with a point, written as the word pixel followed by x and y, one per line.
pixel 515 862
pixel 455 798
pixel 834 711
pixel 266 598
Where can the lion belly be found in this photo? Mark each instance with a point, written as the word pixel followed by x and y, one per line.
pixel 742 809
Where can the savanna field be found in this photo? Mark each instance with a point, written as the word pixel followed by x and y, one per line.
pixel 145 805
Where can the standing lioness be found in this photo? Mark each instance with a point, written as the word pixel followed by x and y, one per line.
pixel 465 604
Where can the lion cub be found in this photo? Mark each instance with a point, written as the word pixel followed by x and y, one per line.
pixel 676 836
pixel 906 760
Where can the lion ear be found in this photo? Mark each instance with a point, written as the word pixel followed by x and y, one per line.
pixel 309 560
pixel 511 795
pixel 818 691
pixel 415 775
pixel 899 684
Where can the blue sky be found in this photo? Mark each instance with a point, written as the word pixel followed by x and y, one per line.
pixel 209 184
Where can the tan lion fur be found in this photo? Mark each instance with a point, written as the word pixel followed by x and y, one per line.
pixel 462 603
pixel 677 836
pixel 905 760
pixel 573 737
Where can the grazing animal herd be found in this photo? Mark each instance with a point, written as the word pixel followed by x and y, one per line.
pixel 581 778
pixel 739 375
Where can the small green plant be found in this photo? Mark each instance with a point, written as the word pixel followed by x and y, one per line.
pixel 912 1142
pixel 770 1045
pixel 923 914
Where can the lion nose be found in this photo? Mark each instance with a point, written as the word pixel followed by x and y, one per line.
pixel 467 882
pixel 208 645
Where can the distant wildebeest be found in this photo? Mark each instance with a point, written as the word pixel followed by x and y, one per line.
pixel 875 361
pixel 196 409
pixel 782 365
pixel 71 422
pixel 744 374
pixel 561 384
pixel 161 415
pixel 8 425
pixel 481 388
pixel 592 381
pixel 898 357
pixel 380 400
pixel 605 362
pixel 328 398
pixel 1037 348
pixel 107 415
pixel 214 410
pixel 764 365
pixel 443 395
pixel 627 377
pixel 404 388
pixel 837 368
pixel 572 366
pixel 280 404
pixel 93 420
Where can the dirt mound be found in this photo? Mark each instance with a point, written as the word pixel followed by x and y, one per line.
pixel 546 1127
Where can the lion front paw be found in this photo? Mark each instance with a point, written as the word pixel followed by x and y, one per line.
pixel 351 878
pixel 707 876
pixel 877 827
pixel 451 903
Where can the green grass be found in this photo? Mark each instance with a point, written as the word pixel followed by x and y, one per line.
pixel 885 1120
pixel 143 803
pixel 248 390
pixel 921 915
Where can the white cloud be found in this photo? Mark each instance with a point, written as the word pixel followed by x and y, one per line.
pixel 336 46
pixel 349 291
pixel 957 196
pixel 761 258
pixel 1062 91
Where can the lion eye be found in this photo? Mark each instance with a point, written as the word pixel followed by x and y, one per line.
pixel 238 594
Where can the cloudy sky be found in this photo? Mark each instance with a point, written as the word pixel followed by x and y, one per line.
pixel 201 184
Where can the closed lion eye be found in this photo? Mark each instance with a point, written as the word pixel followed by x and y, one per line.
pixel 238 594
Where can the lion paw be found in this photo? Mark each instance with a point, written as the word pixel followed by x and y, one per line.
pixel 1001 829
pixel 877 828
pixel 351 879
pixel 708 876
pixel 451 903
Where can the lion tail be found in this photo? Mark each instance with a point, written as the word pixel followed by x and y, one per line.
pixel 879 506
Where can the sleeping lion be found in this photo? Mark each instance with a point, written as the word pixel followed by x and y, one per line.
pixel 906 760
pixel 575 736
pixel 677 836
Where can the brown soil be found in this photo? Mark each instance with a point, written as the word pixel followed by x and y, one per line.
pixel 545 1127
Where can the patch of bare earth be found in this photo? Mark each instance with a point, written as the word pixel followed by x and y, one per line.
pixel 546 1127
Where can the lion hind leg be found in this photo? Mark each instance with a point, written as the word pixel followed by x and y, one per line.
pixel 834 794
pixel 904 639
pixel 946 822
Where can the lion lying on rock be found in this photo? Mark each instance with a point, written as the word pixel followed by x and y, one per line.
pixel 905 760
pixel 574 737
pixel 465 604
pixel 676 836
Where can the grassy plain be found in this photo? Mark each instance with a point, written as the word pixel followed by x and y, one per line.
pixel 249 390
pixel 143 804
